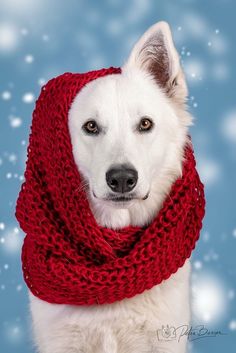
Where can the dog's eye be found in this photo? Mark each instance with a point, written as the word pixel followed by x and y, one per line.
pixel 145 124
pixel 91 127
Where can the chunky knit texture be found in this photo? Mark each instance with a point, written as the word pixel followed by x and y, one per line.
pixel 67 257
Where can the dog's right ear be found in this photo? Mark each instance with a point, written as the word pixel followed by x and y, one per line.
pixel 156 54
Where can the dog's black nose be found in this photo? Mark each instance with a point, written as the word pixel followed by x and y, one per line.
pixel 121 178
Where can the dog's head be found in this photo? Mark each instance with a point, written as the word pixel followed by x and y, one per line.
pixel 128 129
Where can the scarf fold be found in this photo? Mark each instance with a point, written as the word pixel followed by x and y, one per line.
pixel 67 258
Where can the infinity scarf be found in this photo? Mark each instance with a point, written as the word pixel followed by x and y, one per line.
pixel 67 258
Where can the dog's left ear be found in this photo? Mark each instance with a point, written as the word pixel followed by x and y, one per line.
pixel 155 53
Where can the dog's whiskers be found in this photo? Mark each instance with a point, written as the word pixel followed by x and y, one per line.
pixel 82 187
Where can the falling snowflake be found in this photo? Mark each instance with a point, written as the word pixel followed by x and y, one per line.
pixel 24 31
pixel 15 121
pixel 231 294
pixel 19 287
pixel 6 95
pixel 45 37
pixel 8 37
pixel 41 81
pixel 29 59
pixel 209 303
pixel 228 127
pixel 232 325
pixel 13 240
pixel 28 97
pixel 209 170
pixel 194 69
pixel 2 226
pixel 14 333
pixel 197 265
pixel 12 158
pixel 205 237
pixel 8 175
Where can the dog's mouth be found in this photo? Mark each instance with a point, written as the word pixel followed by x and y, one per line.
pixel 122 198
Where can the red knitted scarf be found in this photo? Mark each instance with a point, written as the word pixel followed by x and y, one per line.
pixel 67 257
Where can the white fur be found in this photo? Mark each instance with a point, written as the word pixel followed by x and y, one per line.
pixel 117 103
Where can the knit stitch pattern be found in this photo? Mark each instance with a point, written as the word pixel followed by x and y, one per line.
pixel 67 258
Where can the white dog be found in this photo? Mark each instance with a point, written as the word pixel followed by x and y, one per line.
pixel 127 133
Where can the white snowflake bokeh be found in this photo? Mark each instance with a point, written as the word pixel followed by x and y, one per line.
pixel 209 298
pixel 8 37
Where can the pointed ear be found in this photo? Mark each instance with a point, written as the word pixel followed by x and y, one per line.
pixel 156 54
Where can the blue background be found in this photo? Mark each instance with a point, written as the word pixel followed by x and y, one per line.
pixel 40 39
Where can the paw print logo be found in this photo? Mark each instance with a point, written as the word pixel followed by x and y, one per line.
pixel 166 333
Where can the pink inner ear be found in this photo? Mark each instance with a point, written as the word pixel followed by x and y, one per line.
pixel 156 60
